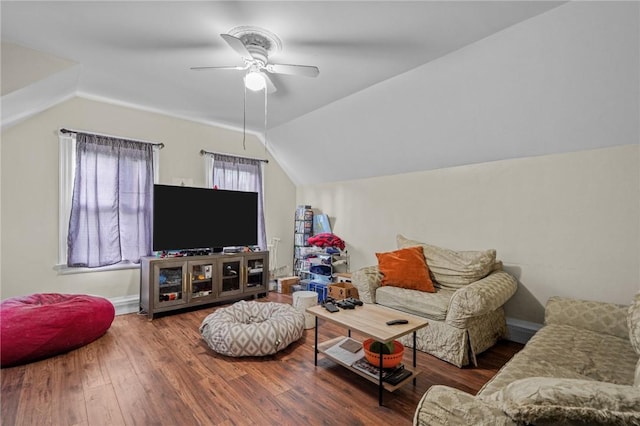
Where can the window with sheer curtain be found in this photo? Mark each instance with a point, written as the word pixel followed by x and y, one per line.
pixel 238 174
pixel 110 217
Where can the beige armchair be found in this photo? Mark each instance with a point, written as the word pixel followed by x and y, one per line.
pixel 464 319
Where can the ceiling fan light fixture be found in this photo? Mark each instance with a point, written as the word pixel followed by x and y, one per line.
pixel 255 81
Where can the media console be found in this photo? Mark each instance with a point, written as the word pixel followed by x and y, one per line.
pixel 171 283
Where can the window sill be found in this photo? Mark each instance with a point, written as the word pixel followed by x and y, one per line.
pixel 66 270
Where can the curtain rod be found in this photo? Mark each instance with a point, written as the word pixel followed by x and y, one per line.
pixel 203 152
pixel 160 145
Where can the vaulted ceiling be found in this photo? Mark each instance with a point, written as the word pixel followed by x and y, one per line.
pixel 139 54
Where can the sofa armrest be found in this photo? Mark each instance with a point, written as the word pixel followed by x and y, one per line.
pixel 480 298
pixel 442 405
pixel 601 317
pixel 367 280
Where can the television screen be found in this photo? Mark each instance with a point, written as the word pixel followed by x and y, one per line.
pixel 197 218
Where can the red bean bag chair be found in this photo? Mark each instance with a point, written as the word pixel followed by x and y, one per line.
pixel 42 325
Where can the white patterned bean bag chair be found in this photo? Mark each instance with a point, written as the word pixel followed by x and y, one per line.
pixel 252 328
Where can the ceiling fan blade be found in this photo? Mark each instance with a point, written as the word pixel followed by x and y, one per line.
pixel 237 45
pixel 218 68
pixel 270 86
pixel 305 70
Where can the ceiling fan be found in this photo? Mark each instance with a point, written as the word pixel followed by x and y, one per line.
pixel 254 45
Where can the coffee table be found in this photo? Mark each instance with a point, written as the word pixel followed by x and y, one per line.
pixel 370 320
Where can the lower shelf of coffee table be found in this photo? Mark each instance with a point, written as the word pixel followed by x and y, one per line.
pixel 322 348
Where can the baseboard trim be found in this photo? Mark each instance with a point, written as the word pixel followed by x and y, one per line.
pixel 126 304
pixel 521 331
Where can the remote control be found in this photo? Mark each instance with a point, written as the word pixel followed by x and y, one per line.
pixel 329 299
pixel 345 305
pixel 331 307
pixel 397 321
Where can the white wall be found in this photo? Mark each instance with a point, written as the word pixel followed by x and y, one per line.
pixel 30 189
pixel 563 224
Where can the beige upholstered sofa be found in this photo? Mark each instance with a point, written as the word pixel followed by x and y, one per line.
pixel 465 313
pixel 582 368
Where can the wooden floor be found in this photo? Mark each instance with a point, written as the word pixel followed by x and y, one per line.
pixel 161 372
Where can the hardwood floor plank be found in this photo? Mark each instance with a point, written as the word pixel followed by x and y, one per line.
pixel 165 400
pixel 135 402
pixel 189 391
pixel 303 410
pixel 161 372
pixel 145 357
pixel 67 394
pixel 35 406
pixel 12 381
pixel 102 406
pixel 90 358
pixel 224 408
pixel 257 404
pixel 270 373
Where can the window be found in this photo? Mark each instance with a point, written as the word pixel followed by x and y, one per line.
pixel 106 190
pixel 238 174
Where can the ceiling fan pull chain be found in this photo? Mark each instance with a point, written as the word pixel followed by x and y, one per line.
pixel 244 118
pixel 265 118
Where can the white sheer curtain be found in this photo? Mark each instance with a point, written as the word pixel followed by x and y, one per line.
pixel 238 174
pixel 112 202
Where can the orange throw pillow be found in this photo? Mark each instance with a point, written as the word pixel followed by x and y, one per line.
pixel 405 268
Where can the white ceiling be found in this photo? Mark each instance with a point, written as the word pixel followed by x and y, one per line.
pixel 139 53
pixel 403 86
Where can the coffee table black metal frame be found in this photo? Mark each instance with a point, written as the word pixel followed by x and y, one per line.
pixel 369 320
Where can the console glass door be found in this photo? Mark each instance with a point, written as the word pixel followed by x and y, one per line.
pixel 171 280
pixel 201 275
pixel 256 270
pixel 231 275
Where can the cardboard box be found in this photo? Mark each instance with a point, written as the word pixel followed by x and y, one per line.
pixel 343 277
pixel 342 291
pixel 285 284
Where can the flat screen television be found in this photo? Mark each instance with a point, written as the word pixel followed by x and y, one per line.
pixel 186 218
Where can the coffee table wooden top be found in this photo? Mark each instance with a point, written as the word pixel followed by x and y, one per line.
pixel 370 320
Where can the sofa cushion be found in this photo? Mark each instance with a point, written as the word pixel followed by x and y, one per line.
pixel 430 305
pixel 453 269
pixel 367 280
pixel 405 268
pixel 599 317
pixel 633 323
pixel 568 352
pixel 536 400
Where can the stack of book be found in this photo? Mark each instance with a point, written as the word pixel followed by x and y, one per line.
pixel 350 352
pixel 390 375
